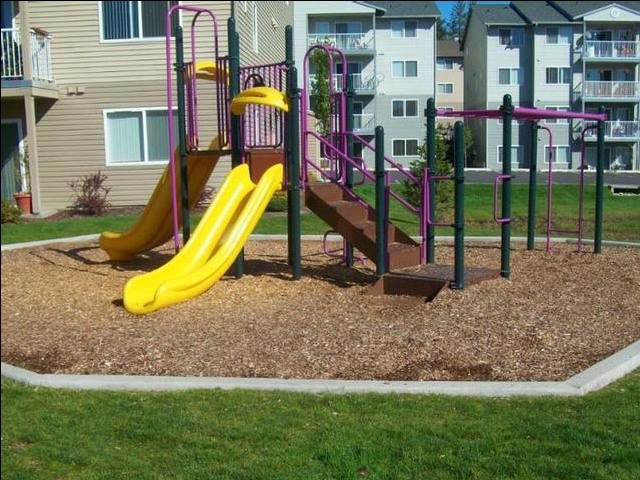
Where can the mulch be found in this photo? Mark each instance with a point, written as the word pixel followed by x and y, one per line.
pixel 62 312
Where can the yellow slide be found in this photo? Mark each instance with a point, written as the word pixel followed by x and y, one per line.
pixel 155 225
pixel 213 246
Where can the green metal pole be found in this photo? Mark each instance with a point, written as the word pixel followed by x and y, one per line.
pixel 507 113
pixel 292 149
pixel 182 136
pixel 234 89
pixel 533 170
pixel 430 113
pixel 381 227
pixel 597 241
pixel 458 281
pixel 348 247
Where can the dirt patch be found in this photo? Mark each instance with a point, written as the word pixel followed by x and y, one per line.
pixel 558 314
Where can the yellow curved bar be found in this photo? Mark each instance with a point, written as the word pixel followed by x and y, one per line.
pixel 212 248
pixel 208 70
pixel 259 96
pixel 154 226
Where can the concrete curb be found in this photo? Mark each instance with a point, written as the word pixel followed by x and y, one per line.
pixel 594 378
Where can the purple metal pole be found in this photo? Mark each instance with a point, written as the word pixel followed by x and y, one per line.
pixel 549 189
pixel 583 166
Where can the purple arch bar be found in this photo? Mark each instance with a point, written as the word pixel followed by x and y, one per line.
pixel 523 113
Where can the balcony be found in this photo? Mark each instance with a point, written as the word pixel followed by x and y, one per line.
pixel 362 84
pixel 611 51
pixel 14 76
pixel 347 42
pixel 617 130
pixel 625 91
pixel 364 123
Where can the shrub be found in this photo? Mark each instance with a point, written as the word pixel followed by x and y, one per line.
pixel 10 213
pixel 206 195
pixel 90 194
pixel 278 202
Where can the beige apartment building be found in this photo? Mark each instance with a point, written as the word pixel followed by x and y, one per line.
pixel 84 89
pixel 449 79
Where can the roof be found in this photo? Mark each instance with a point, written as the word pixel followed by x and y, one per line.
pixel 406 9
pixel 575 10
pixel 448 48
pixel 497 15
pixel 539 12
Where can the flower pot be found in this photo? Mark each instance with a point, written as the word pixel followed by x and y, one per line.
pixel 23 200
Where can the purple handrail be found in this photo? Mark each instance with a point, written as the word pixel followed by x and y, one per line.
pixel 172 140
pixel 496 215
pixel 522 113
pixel 549 189
pixel 427 201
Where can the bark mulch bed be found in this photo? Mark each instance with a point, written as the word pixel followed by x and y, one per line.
pixel 558 314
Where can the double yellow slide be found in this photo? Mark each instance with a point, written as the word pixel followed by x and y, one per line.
pixel 213 246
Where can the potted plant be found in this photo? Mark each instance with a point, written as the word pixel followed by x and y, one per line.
pixel 23 182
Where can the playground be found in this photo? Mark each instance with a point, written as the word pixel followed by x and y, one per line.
pixel 557 315
pixel 160 299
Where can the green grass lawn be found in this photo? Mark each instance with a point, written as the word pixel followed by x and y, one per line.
pixel 622 217
pixel 54 434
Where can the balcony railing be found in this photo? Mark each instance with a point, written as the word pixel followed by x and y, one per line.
pixel 611 49
pixel 615 89
pixel 360 82
pixel 363 122
pixel 12 59
pixel 618 129
pixel 343 41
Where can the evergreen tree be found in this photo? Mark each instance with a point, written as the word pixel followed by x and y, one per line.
pixel 442 31
pixel 458 19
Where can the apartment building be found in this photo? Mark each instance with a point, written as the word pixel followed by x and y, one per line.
pixel 449 79
pixel 562 56
pixel 390 51
pixel 84 89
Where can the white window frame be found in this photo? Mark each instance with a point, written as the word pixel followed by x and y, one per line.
pixel 557 121
pixel 444 93
pixel 404 68
pixel 145 140
pixel 405 147
pixel 136 39
pixel 499 157
pixel 445 67
pixel 404 107
pixel 560 29
pixel 555 154
pixel 560 69
pixel 403 29
pixel 511 69
pixel 511 42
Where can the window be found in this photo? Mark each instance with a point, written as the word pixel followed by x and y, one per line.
pixel 558 75
pixel 255 27
pixel 321 28
pixel 511 37
pixel 135 20
pixel 558 35
pixel 509 76
pixel 137 135
pixel 445 64
pixel 405 147
pixel 404 108
pixel 404 28
pixel 557 154
pixel 445 88
pixel 557 120
pixel 405 68
pixel 446 109
pixel 517 154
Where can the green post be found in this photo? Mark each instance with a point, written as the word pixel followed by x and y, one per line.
pixel 458 281
pixel 507 113
pixel 430 113
pixel 234 89
pixel 348 247
pixel 533 174
pixel 381 227
pixel 182 136
pixel 597 241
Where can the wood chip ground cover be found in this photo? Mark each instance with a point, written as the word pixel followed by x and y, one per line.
pixel 62 312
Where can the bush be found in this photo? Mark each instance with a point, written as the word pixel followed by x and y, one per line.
pixel 278 202
pixel 10 213
pixel 206 195
pixel 90 194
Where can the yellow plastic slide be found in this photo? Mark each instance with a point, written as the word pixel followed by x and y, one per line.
pixel 213 246
pixel 155 225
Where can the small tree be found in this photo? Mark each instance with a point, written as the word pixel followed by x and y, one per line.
pixel 90 194
pixel 443 188
pixel 320 90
